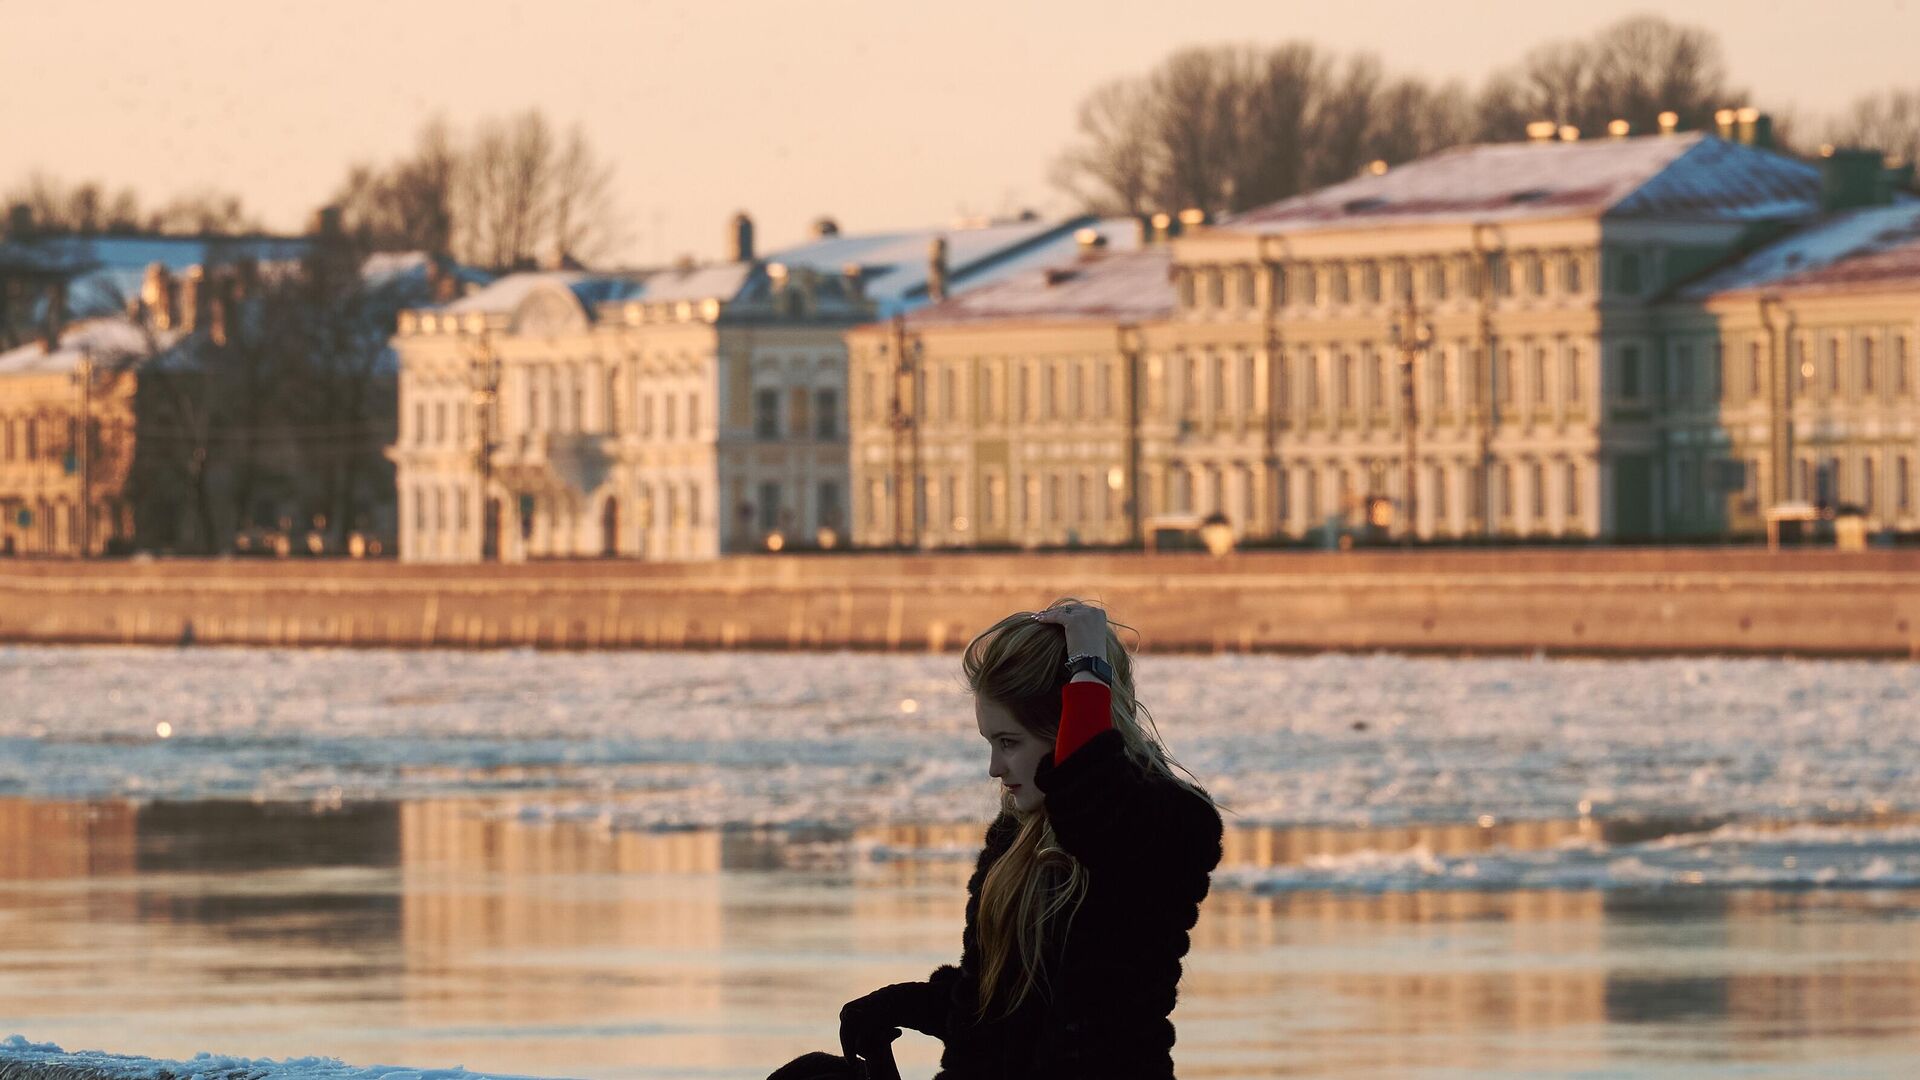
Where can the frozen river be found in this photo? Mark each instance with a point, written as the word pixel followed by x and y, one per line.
pixel 679 865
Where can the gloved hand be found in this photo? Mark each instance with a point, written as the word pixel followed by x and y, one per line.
pixel 875 1020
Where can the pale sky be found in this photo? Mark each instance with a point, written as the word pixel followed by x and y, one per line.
pixel 881 114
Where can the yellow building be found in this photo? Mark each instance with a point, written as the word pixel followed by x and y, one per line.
pixel 1480 344
pixel 675 414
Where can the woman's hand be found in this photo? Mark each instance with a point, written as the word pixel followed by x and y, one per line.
pixel 1085 624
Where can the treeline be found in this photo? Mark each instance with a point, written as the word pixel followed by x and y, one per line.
pixel 513 192
pixel 1231 127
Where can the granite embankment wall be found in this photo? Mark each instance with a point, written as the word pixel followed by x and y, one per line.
pixel 1631 601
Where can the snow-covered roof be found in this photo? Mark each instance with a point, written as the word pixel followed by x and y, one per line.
pixel 411 269
pixel 895 265
pixel 1855 249
pixel 110 268
pixel 106 340
pixel 1692 176
pixel 505 296
pixel 721 281
pixel 1126 286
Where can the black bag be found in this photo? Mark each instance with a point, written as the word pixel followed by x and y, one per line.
pixel 872 1060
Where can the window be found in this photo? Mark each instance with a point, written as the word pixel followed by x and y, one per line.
pixel 1023 408
pixel 1573 489
pixel 1756 364
pixel 1377 375
pixel 1340 283
pixel 1314 389
pixel 1866 484
pixel 996 508
pixel 1443 379
pixel 1506 489
pixel 950 501
pixel 1627 272
pixel 1717 372
pixel 693 414
pixel 1248 404
pixel 1537 276
pixel 1902 367
pixel 1802 365
pixel 1183 285
pixel 1082 499
pixel 1056 499
pixel 1573 380
pixel 1866 367
pixel 1539 482
pixel 419 423
pixel 1216 289
pixel 826 413
pixel 440 422
pixel 766 413
pixel 1370 282
pixel 1539 376
pixel 1437 280
pixel 1103 389
pixel 1309 285
pixel 1077 391
pixel 1683 374
pixel 533 401
pixel 1218 391
pixel 1630 371
pixel 669 415
pixel 1030 501
pixel 1282 385
pixel 1346 382
pixel 770 506
pixel 1570 274
pixel 989 393
pixel 949 392
pixel 1902 483
pixel 1190 388
pixel 1050 390
pixel 611 391
pixel 1499 274
pixel 553 399
pixel 1243 286
pixel 646 415
pixel 1833 365
pixel 577 399
pixel 1503 375
pixel 1440 511
pixel 870 393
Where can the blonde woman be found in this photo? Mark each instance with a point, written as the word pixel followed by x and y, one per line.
pixel 1081 902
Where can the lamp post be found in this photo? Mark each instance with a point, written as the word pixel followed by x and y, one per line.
pixel 483 375
pixel 82 452
pixel 1413 335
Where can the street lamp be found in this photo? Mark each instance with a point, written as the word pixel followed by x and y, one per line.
pixel 1412 335
pixel 483 375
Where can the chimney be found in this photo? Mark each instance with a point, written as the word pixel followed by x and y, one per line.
pixel 56 316
pixel 156 296
pixel 19 221
pixel 326 222
pixel 222 302
pixel 825 227
pixel 1723 124
pixel 742 246
pixel 937 269
pixel 1669 122
pixel 853 277
pixel 1143 227
pixel 442 284
pixel 193 299
pixel 1852 178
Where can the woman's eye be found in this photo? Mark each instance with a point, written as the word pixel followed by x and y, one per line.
pixel 1007 744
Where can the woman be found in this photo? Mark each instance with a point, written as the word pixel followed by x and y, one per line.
pixel 1092 876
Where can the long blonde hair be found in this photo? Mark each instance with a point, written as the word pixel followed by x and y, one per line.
pixel 1020 665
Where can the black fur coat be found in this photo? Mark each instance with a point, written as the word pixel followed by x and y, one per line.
pixel 1148 846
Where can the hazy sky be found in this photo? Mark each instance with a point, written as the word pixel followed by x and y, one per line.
pixel 881 114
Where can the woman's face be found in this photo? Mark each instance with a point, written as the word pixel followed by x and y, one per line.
pixel 1013 753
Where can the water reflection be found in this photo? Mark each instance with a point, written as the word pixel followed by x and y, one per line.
pixel 474 932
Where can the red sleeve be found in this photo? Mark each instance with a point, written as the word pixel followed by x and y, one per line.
pixel 1086 710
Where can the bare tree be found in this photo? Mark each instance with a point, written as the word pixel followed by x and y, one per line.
pixel 1111 171
pixel 1633 70
pixel 1888 121
pixel 85 207
pixel 512 192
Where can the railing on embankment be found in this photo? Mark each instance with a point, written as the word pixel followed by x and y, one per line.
pixel 1628 601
